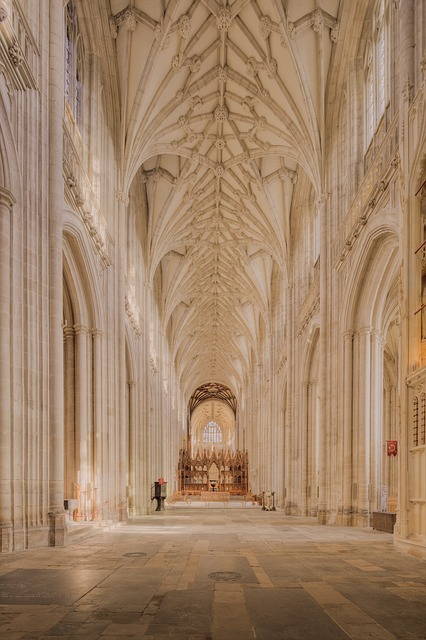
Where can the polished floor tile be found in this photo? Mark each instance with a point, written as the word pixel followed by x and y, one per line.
pixel 211 574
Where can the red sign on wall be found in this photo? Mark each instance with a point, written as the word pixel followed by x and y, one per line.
pixel 392 447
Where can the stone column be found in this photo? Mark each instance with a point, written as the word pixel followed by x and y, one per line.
pixel 133 445
pixel 6 528
pixel 99 429
pixel 363 444
pixel 314 453
pixel 347 428
pixel 123 202
pixel 288 431
pixel 57 530
pixel 81 414
pixel 377 430
pixel 393 481
pixel 305 434
pixel 69 412
pixel 323 361
pixel 409 300
pixel 145 407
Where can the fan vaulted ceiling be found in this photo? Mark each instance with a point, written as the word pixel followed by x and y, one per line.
pixel 222 107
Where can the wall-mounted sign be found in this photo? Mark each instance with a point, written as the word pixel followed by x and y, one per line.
pixel 392 447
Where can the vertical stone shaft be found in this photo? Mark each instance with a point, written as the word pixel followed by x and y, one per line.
pixel 99 447
pixel 323 356
pixel 56 370
pixel 6 203
pixel 347 428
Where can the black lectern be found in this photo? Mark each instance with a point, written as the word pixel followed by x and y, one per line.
pixel 159 493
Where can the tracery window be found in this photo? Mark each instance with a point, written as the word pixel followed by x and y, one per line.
pixel 376 69
pixel 212 433
pixel 74 67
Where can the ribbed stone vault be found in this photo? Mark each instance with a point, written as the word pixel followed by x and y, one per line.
pixel 222 109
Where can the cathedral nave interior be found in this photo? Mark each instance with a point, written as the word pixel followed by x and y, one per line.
pixel 212 265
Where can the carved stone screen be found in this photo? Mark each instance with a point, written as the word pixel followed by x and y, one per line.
pixel 223 470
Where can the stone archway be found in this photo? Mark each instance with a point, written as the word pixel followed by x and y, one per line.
pixel 370 355
pixel 85 479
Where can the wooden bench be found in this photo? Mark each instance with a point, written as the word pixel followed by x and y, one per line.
pixel 215 496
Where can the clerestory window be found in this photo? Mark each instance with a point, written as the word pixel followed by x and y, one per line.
pixel 74 58
pixel 376 69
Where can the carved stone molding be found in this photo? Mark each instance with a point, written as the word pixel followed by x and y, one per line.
pixel 79 194
pixel 322 200
pixel 224 20
pixel 185 26
pixel 221 113
pixel 122 197
pixel 407 90
pixel 133 313
pixel 130 17
pixel 20 66
pixel 287 174
pixel 265 27
pixel 318 20
pixel 3 12
pixel 253 66
pixel 16 55
pixel 423 63
pixel 6 198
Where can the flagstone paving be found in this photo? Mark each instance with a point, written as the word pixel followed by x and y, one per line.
pixel 216 574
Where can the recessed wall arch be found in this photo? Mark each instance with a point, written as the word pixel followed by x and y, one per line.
pixel 310 425
pixel 371 317
pixel 379 253
pixel 84 422
pixel 81 274
pixel 10 175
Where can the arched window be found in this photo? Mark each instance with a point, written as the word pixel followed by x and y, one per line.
pixel 369 101
pixel 376 69
pixel 212 433
pixel 74 65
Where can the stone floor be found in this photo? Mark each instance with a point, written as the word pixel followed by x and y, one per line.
pixel 215 573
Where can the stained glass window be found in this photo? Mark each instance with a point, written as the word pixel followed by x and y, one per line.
pixel 212 433
pixel 74 58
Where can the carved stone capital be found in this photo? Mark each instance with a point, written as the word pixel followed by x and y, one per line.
pixel 80 329
pixel 122 197
pixel 322 200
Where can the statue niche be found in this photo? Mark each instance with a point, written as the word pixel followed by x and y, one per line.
pixel 213 476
